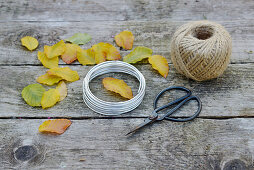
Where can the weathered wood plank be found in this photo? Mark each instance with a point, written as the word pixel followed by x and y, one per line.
pixel 229 95
pixel 155 35
pixel 101 144
pixel 87 10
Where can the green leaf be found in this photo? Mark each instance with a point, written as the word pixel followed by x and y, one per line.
pixel 138 54
pixel 32 94
pixel 79 38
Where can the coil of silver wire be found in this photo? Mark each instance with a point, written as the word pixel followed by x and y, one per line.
pixel 113 108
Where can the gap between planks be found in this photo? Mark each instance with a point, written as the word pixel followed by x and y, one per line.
pixel 117 117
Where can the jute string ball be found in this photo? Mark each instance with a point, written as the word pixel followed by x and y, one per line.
pixel 201 50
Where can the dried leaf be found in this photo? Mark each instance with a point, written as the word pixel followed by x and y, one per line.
pixel 79 38
pixel 138 54
pixel 61 87
pixel 117 86
pixel 65 73
pixel 55 50
pixel 57 126
pixel 125 39
pixel 32 94
pixel 48 79
pixel 159 63
pixel 50 98
pixel 86 57
pixel 99 53
pixel 30 43
pixel 105 51
pixel 111 52
pixel 70 54
pixel 48 63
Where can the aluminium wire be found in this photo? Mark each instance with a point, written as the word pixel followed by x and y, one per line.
pixel 113 108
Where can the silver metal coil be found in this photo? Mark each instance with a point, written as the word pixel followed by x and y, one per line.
pixel 112 108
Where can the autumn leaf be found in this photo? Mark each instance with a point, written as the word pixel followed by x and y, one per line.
pixel 50 98
pixel 57 126
pixel 159 63
pixel 79 38
pixel 105 51
pixel 111 52
pixel 48 79
pixel 30 43
pixel 86 57
pixel 55 50
pixel 117 86
pixel 99 53
pixel 46 62
pixel 32 94
pixel 138 54
pixel 125 39
pixel 70 54
pixel 61 87
pixel 65 73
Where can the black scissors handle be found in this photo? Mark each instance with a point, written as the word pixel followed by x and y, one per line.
pixel 180 102
pixel 166 116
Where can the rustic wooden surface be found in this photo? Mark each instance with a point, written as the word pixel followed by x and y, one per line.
pixel 222 136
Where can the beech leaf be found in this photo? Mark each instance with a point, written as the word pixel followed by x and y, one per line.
pixel 50 98
pixel 86 57
pixel 138 54
pixel 105 51
pixel 117 86
pixel 79 38
pixel 46 62
pixel 125 39
pixel 65 73
pixel 62 88
pixel 55 50
pixel 32 94
pixel 48 79
pixel 57 126
pixel 159 63
pixel 70 54
pixel 30 43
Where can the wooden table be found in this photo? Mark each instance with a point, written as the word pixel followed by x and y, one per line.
pixel 222 137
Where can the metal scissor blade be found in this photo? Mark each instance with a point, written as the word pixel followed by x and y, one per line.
pixel 146 122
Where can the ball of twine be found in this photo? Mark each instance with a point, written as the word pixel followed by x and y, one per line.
pixel 201 50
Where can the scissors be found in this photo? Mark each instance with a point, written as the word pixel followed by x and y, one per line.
pixel 179 102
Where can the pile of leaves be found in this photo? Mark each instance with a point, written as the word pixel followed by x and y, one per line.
pixel 70 51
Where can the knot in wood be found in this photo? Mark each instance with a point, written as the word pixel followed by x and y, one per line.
pixel 25 153
pixel 235 164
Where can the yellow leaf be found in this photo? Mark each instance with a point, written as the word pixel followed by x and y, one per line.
pixel 48 79
pixel 30 43
pixel 138 54
pixel 50 98
pixel 48 63
pixel 86 57
pixel 159 63
pixel 117 86
pixel 105 51
pixel 125 39
pixel 66 73
pixel 99 53
pixel 111 52
pixel 61 87
pixel 55 50
pixel 57 126
pixel 70 54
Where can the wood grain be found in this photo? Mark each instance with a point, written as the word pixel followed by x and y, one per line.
pixel 146 10
pixel 93 144
pixel 155 35
pixel 228 96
